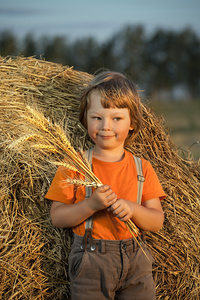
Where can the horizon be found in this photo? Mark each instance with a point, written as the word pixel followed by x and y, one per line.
pixel 78 19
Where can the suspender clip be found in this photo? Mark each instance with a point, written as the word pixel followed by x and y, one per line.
pixel 140 178
pixel 92 244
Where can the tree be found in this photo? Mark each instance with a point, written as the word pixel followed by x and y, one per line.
pixel 55 50
pixel 83 54
pixel 8 44
pixel 107 58
pixel 30 46
pixel 160 61
pixel 189 62
pixel 131 40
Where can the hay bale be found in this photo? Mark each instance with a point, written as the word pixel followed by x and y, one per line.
pixel 33 252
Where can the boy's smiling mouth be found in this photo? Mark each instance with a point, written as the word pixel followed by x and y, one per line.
pixel 105 136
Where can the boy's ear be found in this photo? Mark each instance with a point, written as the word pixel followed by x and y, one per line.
pixel 131 127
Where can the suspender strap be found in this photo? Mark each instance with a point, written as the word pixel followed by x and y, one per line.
pixel 89 221
pixel 140 178
pixel 88 190
pixel 89 155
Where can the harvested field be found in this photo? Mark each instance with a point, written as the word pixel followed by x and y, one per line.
pixel 33 253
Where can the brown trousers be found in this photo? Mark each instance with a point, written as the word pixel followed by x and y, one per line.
pixel 117 270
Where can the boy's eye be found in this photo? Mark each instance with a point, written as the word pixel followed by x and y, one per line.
pixel 117 119
pixel 96 118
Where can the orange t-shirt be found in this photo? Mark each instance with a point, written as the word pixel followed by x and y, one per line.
pixel 122 177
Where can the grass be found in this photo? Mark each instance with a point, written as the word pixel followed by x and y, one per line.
pixel 183 121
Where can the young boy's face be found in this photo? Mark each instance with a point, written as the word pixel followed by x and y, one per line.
pixel 107 127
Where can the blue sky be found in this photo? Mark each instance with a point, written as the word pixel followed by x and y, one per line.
pixel 100 19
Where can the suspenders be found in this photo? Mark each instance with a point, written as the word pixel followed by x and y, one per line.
pixel 89 221
pixel 140 178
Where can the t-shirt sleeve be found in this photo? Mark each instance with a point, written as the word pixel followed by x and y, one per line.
pixel 152 187
pixel 60 190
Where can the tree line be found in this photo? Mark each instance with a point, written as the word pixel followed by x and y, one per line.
pixel 165 63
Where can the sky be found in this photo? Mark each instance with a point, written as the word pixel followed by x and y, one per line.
pixel 100 19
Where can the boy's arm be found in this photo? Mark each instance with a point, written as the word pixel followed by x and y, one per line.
pixel 148 216
pixel 69 215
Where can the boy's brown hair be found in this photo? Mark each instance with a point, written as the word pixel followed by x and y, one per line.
pixel 116 91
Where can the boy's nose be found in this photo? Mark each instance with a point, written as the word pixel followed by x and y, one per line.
pixel 106 124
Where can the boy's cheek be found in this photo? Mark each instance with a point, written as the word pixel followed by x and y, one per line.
pixel 90 132
pixel 90 125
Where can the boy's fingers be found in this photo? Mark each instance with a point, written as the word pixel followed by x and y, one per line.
pixel 112 196
pixel 113 200
pixel 104 188
pixel 115 205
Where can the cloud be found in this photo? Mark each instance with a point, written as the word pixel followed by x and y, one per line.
pixel 19 11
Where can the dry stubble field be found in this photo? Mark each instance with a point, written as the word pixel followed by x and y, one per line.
pixel 182 119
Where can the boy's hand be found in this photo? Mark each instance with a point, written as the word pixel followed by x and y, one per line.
pixel 122 209
pixel 102 198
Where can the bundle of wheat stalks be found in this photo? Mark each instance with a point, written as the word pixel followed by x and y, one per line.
pixel 33 253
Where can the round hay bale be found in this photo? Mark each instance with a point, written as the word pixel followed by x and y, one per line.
pixel 34 253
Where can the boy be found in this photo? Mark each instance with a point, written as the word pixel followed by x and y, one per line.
pixel 109 264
